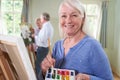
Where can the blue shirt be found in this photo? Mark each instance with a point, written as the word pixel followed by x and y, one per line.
pixel 86 57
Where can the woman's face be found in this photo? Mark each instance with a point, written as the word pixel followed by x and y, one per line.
pixel 70 20
pixel 38 22
pixel 42 19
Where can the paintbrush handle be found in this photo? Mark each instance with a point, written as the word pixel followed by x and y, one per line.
pixel 50 50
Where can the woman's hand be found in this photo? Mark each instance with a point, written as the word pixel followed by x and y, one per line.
pixel 47 63
pixel 81 76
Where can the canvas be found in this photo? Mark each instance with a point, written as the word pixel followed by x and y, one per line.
pixel 15 48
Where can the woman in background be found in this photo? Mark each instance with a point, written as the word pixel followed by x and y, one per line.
pixel 26 32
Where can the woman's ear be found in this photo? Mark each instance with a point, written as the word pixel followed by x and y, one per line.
pixel 84 17
pixel 83 21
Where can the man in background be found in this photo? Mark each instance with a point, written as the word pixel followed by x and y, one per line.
pixel 43 39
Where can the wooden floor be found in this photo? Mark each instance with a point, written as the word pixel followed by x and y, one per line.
pixel 116 77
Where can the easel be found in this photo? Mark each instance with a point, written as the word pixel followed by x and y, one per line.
pixel 14 59
pixel 6 71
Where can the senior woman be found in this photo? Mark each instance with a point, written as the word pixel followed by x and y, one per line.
pixel 77 50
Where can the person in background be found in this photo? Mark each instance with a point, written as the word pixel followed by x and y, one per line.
pixel 26 32
pixel 32 32
pixel 38 26
pixel 77 50
pixel 37 29
pixel 45 34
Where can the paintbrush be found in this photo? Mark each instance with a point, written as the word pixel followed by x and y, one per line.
pixel 50 50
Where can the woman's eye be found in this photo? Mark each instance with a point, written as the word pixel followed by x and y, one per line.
pixel 74 15
pixel 63 16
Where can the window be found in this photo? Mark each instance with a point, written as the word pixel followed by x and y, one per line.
pixel 93 17
pixel 11 15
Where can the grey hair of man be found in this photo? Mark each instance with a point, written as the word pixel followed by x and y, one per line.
pixel 76 4
pixel 46 16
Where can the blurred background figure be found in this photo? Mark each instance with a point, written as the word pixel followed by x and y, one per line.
pixel 37 29
pixel 43 40
pixel 26 32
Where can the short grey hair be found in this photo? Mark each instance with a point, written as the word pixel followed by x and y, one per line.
pixel 75 4
pixel 46 16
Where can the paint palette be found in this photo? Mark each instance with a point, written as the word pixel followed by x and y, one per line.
pixel 60 74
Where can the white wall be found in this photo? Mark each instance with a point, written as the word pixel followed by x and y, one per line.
pixel 113 35
pixel 117 37
pixel 50 6
pixel 110 29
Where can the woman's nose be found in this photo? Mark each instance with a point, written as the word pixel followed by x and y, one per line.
pixel 68 19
